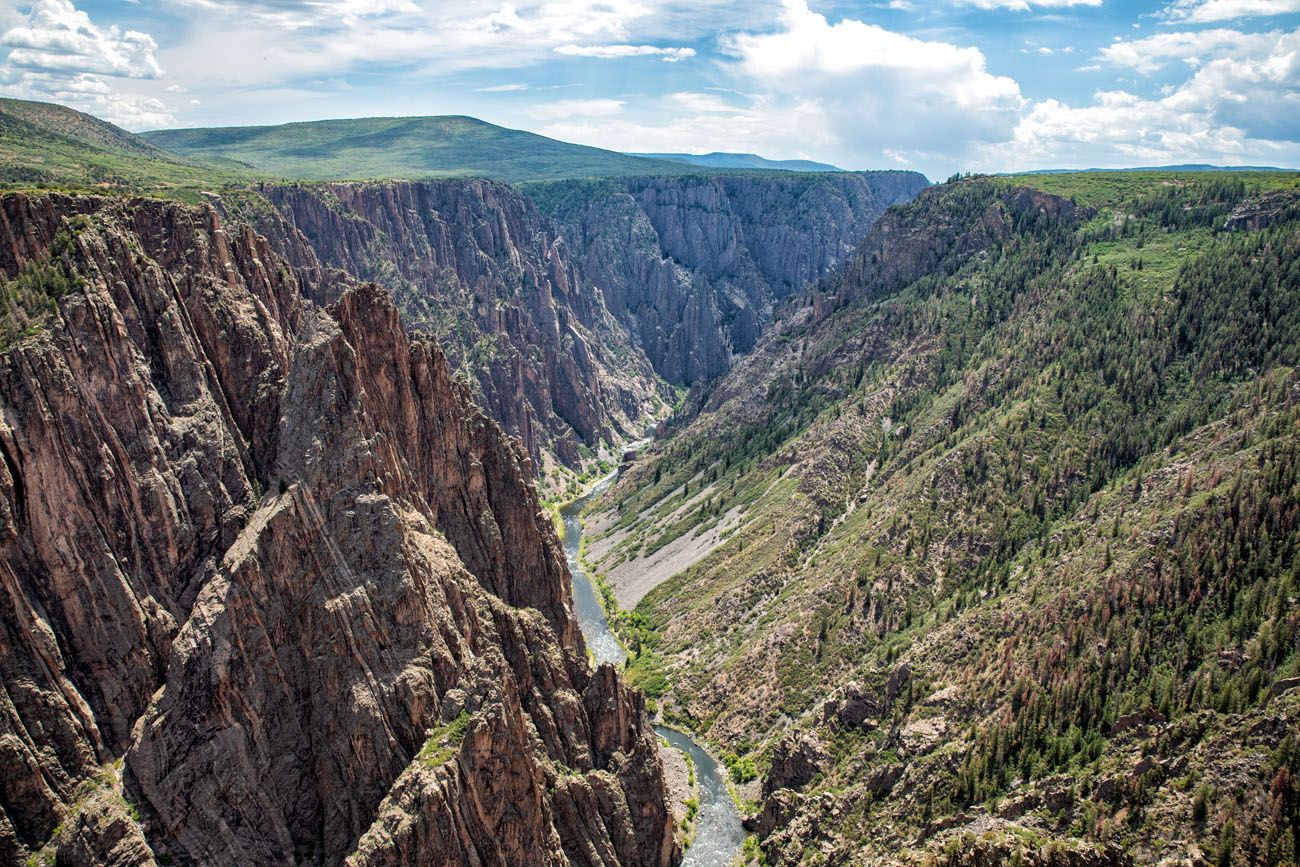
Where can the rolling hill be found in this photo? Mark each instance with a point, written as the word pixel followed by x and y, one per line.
pixel 406 147
pixel 48 145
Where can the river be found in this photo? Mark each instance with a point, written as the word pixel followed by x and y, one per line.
pixel 718 832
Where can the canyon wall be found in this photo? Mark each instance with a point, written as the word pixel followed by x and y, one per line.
pixel 561 304
pixel 474 263
pixel 693 266
pixel 275 591
pixel 986 552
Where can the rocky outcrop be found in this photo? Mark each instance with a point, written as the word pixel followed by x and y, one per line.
pixel 910 242
pixel 474 263
pixel 796 759
pixel 694 265
pixel 1259 212
pixel 852 706
pixel 274 591
pixel 1000 844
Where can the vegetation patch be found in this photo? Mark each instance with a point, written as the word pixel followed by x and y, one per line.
pixel 444 742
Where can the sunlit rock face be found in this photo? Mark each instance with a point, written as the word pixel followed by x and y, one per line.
pixel 275 590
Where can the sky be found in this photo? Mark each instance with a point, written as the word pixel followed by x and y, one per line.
pixel 941 87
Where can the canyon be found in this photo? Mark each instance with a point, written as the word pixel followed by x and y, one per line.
pixel 562 517
pixel 277 589
pixel 574 307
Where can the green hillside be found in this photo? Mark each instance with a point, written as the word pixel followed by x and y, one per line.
pixel 993 544
pixel 405 147
pixel 44 145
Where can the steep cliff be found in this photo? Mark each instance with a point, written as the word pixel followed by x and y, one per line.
pixel 694 265
pixel 274 590
pixel 473 262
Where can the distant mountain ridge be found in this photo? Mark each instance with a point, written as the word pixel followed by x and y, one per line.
pixel 405 147
pixel 1184 167
pixel 724 160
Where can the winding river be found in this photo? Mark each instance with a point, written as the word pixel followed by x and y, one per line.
pixel 718 832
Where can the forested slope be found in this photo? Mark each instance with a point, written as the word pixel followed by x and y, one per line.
pixel 1002 531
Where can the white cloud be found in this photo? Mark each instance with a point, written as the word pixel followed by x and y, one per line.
pixel 88 93
pixel 270 43
pixel 513 87
pixel 567 108
pixel 59 38
pixel 670 55
pixel 701 103
pixel 301 14
pixel 1234 109
pixel 874 88
pixel 57 54
pixel 703 122
pixel 1205 11
pixel 1026 5
pixel 1194 48
pixel 564 22
pixel 847 91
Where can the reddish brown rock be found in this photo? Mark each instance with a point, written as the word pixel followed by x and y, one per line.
pixel 796 759
pixel 264 551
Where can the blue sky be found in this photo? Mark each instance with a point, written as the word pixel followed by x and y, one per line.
pixel 943 86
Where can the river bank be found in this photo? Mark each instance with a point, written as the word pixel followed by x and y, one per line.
pixel 718 834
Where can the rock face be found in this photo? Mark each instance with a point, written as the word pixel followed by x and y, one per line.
pixel 796 759
pixel 274 590
pixel 1260 212
pixel 694 266
pixel 473 262
pixel 908 243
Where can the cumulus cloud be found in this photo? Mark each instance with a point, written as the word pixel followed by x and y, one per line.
pixel 1194 48
pixel 1243 107
pixel 88 93
pixel 846 91
pixel 669 55
pixel 877 88
pixel 59 38
pixel 59 55
pixel 1205 11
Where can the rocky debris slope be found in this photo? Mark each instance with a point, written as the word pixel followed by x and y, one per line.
pixel 693 266
pixel 274 590
pixel 473 262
